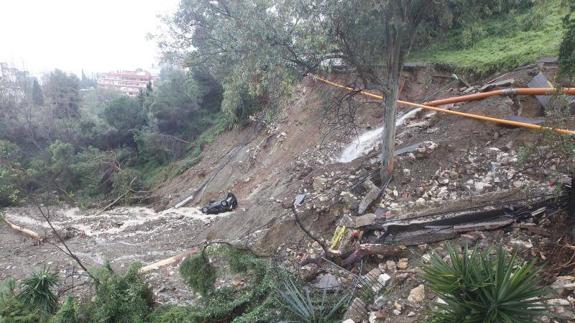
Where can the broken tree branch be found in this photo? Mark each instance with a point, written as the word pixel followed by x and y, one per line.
pixel 27 232
pixel 326 250
pixel 129 190
pixel 67 251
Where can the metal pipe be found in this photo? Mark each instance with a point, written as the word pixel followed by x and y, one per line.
pixel 505 92
pixel 457 113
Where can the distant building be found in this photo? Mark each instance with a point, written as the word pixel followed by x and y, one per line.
pixel 127 82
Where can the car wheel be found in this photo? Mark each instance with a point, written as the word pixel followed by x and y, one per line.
pixel 224 203
pixel 205 210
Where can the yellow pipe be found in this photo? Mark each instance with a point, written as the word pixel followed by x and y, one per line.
pixel 457 113
pixel 511 91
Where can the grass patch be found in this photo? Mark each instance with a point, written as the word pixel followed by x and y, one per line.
pixel 500 43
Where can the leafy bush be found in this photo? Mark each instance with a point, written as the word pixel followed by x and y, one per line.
pixel 472 34
pixel 479 287
pixel 199 274
pixel 567 49
pixel 10 175
pixel 68 313
pixel 119 298
pixel 11 309
pixel 255 302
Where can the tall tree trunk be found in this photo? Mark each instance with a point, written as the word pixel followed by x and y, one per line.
pixel 390 102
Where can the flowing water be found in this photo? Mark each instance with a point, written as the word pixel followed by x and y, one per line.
pixel 369 140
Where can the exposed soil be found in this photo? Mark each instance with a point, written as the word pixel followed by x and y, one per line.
pixel 267 165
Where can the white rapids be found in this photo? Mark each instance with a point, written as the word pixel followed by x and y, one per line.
pixel 368 140
pixel 122 220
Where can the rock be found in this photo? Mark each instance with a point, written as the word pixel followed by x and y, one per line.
pixel 383 279
pixel 403 264
pixel 563 284
pixel 377 317
pixel 481 186
pixel 366 220
pixel 420 202
pixel 379 302
pixel 406 172
pixel 558 302
pixel 327 281
pixel 372 275
pixel 417 295
pixel 356 312
pixel 349 321
pixel 372 194
pixel 309 272
pixel 319 183
pixel 521 244
pixel 426 148
pixel 411 314
pixel 390 266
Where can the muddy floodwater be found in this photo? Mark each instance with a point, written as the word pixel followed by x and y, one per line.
pixel 120 236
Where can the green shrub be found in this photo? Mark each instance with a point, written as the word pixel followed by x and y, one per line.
pixel 309 308
pixel 471 34
pixel 10 174
pixel 36 292
pixel 173 314
pixel 254 302
pixel 199 274
pixel 68 313
pixel 479 287
pixel 11 309
pixel 119 298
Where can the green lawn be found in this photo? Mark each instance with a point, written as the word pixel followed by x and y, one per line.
pixel 502 43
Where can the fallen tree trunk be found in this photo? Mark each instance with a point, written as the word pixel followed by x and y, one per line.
pixel 27 232
pixel 168 261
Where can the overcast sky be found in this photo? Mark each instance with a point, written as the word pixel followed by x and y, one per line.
pixel 94 35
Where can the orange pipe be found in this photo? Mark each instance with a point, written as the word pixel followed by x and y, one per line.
pixel 511 91
pixel 457 113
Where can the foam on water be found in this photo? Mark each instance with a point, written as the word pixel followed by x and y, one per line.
pixel 114 221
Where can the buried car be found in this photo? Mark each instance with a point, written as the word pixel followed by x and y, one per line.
pixel 227 204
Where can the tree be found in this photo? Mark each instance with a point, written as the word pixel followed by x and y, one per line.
pixel 126 115
pixel 37 95
pixel 246 43
pixel 62 93
pixel 567 49
pixel 374 41
pixel 62 96
pixel 255 48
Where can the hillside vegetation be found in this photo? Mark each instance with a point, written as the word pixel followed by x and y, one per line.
pixel 233 67
pixel 498 43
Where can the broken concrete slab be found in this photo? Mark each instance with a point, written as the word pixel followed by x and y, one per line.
pixel 362 222
pixel 502 83
pixel 372 195
pixel 357 311
pixel 407 149
pixel 537 82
